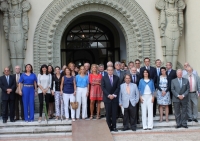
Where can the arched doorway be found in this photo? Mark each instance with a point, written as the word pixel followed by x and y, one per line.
pixel 90 42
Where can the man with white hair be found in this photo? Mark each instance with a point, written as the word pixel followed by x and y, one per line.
pixel 109 64
pixel 185 69
pixel 18 98
pixel 193 95
pixel 118 71
pixel 180 89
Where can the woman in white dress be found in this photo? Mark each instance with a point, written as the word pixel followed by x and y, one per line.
pixel 163 95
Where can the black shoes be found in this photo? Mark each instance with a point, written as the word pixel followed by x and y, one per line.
pixel 133 129
pixel 178 127
pixel 114 129
pixel 185 126
pixel 195 120
pixel 149 129
pixel 12 120
pixel 189 120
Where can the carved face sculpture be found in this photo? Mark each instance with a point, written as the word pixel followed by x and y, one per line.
pixel 14 2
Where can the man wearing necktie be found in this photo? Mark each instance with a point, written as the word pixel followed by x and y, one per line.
pixel 110 85
pixel 128 98
pixel 18 98
pixel 119 74
pixel 180 88
pixel 193 95
pixel 153 76
pixel 101 70
pixel 171 74
pixel 8 86
pixel 136 79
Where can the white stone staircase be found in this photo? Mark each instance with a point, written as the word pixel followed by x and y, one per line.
pixel 21 129
pixel 62 130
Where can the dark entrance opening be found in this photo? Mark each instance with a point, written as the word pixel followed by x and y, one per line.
pixel 89 42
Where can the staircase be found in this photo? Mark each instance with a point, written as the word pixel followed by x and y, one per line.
pixel 34 130
pixel 62 130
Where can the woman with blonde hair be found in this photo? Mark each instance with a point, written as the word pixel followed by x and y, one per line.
pixel 96 93
pixel 82 84
pixel 71 66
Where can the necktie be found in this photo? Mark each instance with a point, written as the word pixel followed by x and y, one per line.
pixel 111 81
pixel 168 72
pixel 17 78
pixel 180 82
pixel 190 83
pixel 134 79
pixel 158 71
pixel 7 77
pixel 127 89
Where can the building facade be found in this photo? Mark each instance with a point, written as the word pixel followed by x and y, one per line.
pixel 60 31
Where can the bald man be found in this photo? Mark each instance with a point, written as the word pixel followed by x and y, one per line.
pixel 8 86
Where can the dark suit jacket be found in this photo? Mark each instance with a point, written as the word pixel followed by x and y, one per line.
pixel 153 73
pixel 105 73
pixel 107 88
pixel 4 86
pixel 121 78
pixel 170 77
pixel 176 90
pixel 138 77
pixel 14 76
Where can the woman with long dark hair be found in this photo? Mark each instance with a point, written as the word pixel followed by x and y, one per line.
pixel 29 82
pixel 44 90
pixel 146 89
pixel 51 100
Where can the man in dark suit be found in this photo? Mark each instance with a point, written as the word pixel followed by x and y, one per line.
pixel 18 98
pixel 119 74
pixel 135 78
pixel 153 76
pixel 110 85
pixel 8 86
pixel 180 89
pixel 137 65
pixel 101 70
pixel 171 74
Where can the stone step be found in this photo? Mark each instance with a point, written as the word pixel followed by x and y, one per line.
pixel 37 136
pixel 158 130
pixel 21 123
pixel 36 129
pixel 157 124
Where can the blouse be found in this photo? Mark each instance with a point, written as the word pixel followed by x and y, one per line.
pixel 45 81
pixel 28 80
pixel 56 83
pixel 68 85
pixel 82 81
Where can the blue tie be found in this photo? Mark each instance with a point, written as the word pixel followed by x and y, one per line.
pixel 7 79
pixel 118 73
pixel 158 71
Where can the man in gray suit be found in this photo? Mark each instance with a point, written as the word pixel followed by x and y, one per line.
pixel 180 89
pixel 193 95
pixel 118 72
pixel 128 98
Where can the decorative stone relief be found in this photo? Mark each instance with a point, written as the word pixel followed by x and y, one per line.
pixel 171 27
pixel 16 26
pixel 132 20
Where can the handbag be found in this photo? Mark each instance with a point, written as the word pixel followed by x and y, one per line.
pixel 74 104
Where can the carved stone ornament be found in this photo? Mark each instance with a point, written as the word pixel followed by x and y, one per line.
pixel 132 20
pixel 171 27
pixel 16 26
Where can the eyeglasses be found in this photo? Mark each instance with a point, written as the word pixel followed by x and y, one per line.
pixel 137 63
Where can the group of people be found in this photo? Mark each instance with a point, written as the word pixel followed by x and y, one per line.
pixel 122 91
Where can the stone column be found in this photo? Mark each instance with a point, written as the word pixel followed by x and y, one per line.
pixel 192 34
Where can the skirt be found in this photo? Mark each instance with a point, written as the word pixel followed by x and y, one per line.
pixel 163 100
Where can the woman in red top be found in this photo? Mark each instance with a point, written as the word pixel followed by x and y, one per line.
pixel 95 90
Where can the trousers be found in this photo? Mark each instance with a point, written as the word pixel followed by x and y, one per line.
pixel 66 99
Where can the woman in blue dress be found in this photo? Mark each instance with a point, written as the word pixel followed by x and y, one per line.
pixel 28 81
